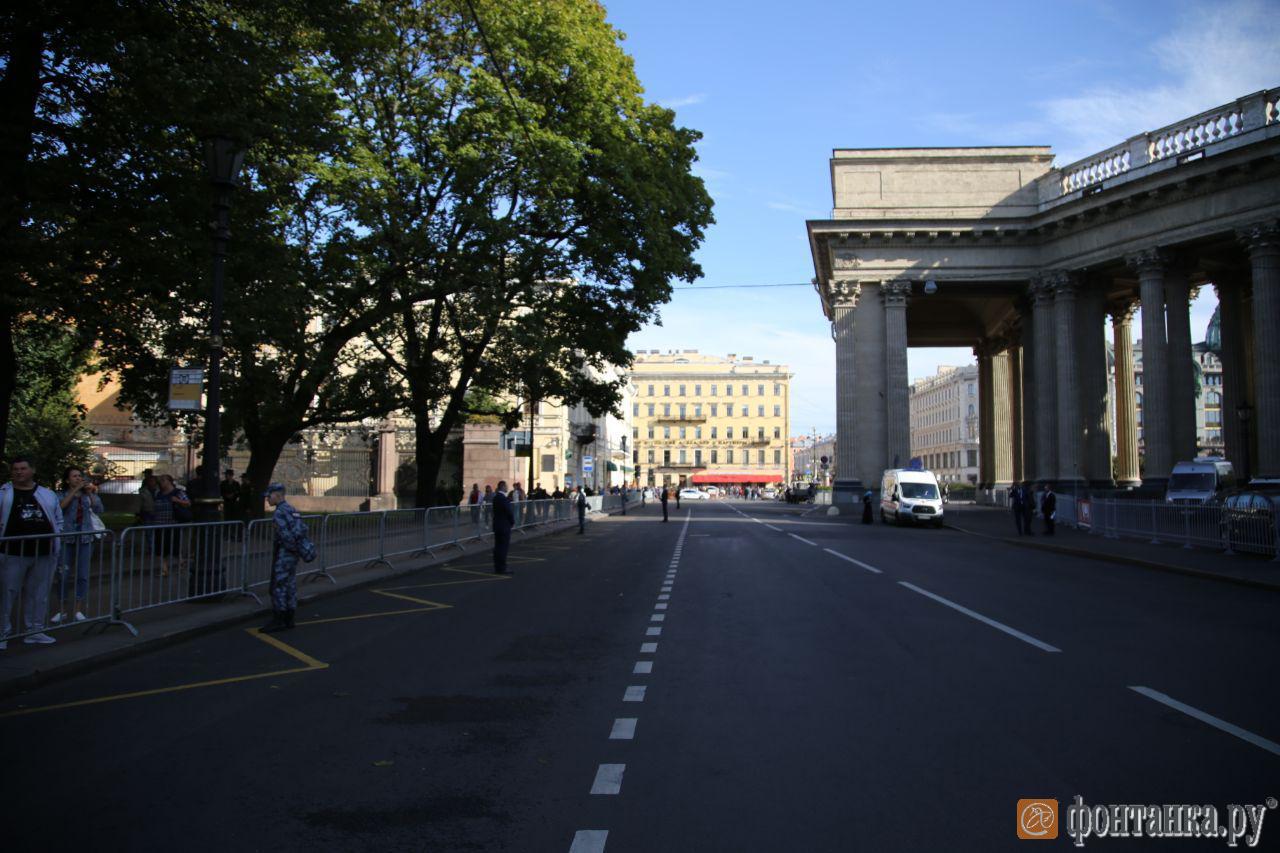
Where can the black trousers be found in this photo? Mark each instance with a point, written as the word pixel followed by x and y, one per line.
pixel 501 544
pixel 664 510
pixel 1017 518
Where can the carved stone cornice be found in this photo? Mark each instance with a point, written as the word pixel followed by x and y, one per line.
pixel 844 260
pixel 1151 261
pixel 1260 237
pixel 896 293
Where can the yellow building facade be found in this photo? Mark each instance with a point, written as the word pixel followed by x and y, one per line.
pixel 710 420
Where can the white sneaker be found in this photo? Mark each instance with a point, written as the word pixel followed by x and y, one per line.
pixel 39 639
pixel 80 617
pixel 57 619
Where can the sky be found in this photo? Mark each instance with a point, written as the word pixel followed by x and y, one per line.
pixel 774 88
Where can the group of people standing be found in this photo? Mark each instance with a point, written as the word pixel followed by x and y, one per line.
pixel 1023 500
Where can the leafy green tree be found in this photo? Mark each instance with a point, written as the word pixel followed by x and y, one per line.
pixel 47 422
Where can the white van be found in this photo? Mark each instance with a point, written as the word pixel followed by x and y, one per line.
pixel 1197 481
pixel 910 496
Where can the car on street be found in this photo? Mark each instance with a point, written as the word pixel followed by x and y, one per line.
pixel 712 491
pixel 769 494
pixel 910 496
pixel 694 495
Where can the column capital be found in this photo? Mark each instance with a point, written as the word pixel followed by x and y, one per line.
pixel 1040 290
pixel 1064 283
pixel 896 292
pixel 1123 311
pixel 843 294
pixel 1152 260
pixel 1261 237
pixel 985 348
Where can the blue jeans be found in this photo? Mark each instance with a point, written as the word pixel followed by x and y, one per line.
pixel 77 557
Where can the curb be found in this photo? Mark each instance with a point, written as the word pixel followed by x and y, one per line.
pixel 70 669
pixel 1123 560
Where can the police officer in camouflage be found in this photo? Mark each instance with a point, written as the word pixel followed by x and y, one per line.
pixel 290 542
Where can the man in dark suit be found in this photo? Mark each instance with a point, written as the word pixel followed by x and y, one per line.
pixel 503 520
pixel 1049 509
pixel 663 498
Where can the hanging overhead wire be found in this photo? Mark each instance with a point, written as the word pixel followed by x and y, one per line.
pixel 497 69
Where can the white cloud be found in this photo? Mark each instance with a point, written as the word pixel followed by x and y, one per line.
pixel 684 101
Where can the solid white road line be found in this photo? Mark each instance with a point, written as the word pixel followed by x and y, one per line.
pixel 608 779
pixel 624 728
pixel 642 667
pixel 855 562
pixel 648 648
pixel 589 841
pixel 774 529
pixel 1244 735
pixel 802 539
pixel 658 617
pixel 633 694
pixel 653 632
pixel 999 626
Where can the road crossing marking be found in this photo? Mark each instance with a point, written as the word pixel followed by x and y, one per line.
pixel 648 648
pixel 642 667
pixel 802 539
pixel 653 632
pixel 635 693
pixel 624 728
pixel 999 626
pixel 661 605
pixel 1244 735
pixel 608 779
pixel 855 562
pixel 664 597
pixel 589 841
pixel 658 617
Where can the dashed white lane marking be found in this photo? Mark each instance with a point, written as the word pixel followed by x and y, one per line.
pixel 851 560
pixel 999 626
pixel 653 632
pixel 661 605
pixel 648 648
pixel 1244 735
pixel 802 539
pixel 664 597
pixel 642 667
pixel 634 694
pixel 624 728
pixel 658 617
pixel 589 841
pixel 775 529
pixel 608 779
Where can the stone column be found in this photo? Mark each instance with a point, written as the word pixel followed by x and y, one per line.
pixel 1001 421
pixel 986 419
pixel 1126 405
pixel 1235 387
pixel 1065 288
pixel 844 301
pixel 1157 432
pixel 1046 383
pixel 1263 242
pixel 1030 396
pixel 869 386
pixel 386 460
pixel 1182 381
pixel 898 413
pixel 1096 420
pixel 1016 438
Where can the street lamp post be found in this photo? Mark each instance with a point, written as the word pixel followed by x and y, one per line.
pixel 223 159
pixel 1245 412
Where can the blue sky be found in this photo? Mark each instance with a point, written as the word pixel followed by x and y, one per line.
pixel 775 87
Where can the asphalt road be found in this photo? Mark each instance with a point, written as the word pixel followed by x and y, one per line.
pixel 799 683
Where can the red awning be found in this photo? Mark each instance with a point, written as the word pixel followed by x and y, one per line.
pixel 737 477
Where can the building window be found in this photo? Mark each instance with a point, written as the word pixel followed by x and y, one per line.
pixel 1213 398
pixel 777 432
pixel 713 432
pixel 682 456
pixel 1213 418
pixel 682 432
pixel 971 410
pixel 697 457
pixel 650 432
pixel 666 410
pixel 651 410
pixel 681 390
pixel 760 390
pixel 714 409
pixel 697 432
pixel 728 390
pixel 635 433
pixel 746 390
pixel 635 458
pixel 970 389
pixel 777 411
pixel 760 411
pixel 777 389
pixel 713 390
pixel 760 457
pixel 650 457
pixel 777 457
pixel 728 457
pixel 728 409
pixel 650 394
pixel 1138 400
pixel 682 410
pixel 666 457
pixel 666 390
pixel 635 410
pixel 713 457
pixel 697 410
pixel 666 432
pixel 760 435
pixel 697 390
pixel 728 432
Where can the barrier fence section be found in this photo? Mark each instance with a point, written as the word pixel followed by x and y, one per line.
pixel 60 580
pixel 1191 525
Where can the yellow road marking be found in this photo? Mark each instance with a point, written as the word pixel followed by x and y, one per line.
pixel 311 666
pixel 448 583
pixel 431 605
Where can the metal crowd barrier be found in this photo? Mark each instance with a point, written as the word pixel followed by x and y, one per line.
pixel 104 576
pixel 1191 525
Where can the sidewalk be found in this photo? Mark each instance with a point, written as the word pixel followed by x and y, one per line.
pixel 996 523
pixel 80 649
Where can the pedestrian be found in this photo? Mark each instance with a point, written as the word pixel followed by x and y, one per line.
pixel 503 519
pixel 580 504
pixel 488 493
pixel 147 497
pixel 27 509
pixel 291 544
pixel 1049 509
pixel 866 507
pixel 1017 503
pixel 473 501
pixel 172 506
pixel 1029 508
pixel 229 489
pixel 663 500
pixel 250 500
pixel 80 505
pixel 677 491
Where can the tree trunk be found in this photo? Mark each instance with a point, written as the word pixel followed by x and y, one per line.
pixel 263 455
pixel 429 453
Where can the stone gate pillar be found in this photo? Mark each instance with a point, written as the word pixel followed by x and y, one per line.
pixel 1126 413
pixel 1157 431
pixel 848 486
pixel 1046 383
pixel 1263 242
pixel 1182 388
pixel 898 415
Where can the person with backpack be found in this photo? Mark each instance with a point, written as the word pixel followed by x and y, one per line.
pixel 291 544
